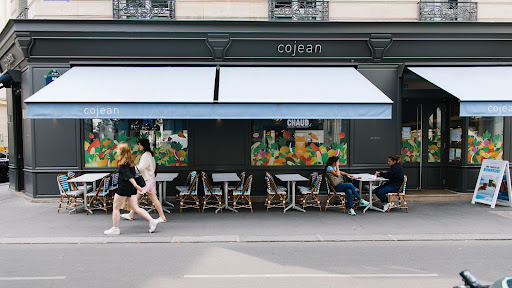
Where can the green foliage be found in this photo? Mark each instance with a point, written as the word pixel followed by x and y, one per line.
pixel 176 146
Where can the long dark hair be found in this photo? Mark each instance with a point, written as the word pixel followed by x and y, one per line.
pixel 331 160
pixel 146 147
pixel 395 158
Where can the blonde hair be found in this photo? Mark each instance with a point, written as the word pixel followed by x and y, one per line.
pixel 125 154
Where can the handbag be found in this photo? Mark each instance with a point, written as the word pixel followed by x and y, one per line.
pixel 139 179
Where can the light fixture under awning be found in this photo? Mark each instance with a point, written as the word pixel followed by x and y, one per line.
pixel 188 93
pixel 302 92
pixel 483 91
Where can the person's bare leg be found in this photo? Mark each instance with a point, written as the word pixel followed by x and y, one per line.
pixel 118 203
pixel 139 196
pixel 158 205
pixel 133 204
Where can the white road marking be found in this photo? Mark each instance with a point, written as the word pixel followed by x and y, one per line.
pixel 310 275
pixel 32 278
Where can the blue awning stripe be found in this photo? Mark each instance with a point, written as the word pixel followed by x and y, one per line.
pixel 207 111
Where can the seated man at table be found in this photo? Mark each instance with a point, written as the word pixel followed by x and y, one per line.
pixel 332 170
pixel 395 176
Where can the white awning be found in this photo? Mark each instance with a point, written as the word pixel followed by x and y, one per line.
pixel 303 92
pixel 483 91
pixel 188 93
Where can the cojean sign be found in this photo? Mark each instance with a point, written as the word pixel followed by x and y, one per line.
pixel 293 49
pixel 482 109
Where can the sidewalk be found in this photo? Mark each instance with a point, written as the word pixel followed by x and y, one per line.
pixel 26 222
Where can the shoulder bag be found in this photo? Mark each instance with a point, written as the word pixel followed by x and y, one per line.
pixel 138 178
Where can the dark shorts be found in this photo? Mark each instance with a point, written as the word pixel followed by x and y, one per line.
pixel 126 189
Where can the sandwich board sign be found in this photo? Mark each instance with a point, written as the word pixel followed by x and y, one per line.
pixel 493 184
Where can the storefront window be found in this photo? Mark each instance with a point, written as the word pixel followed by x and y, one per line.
pixel 411 133
pixel 434 136
pixel 298 142
pixel 168 138
pixel 455 149
pixel 485 139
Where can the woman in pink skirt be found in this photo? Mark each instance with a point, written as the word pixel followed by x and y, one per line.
pixel 147 166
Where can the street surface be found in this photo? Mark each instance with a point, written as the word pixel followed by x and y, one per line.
pixel 258 264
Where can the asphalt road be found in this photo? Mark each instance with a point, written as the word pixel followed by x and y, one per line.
pixel 342 264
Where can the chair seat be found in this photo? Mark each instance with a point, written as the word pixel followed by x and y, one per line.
pixel 239 192
pixel 89 187
pixel 75 192
pixel 233 187
pixel 307 191
pixel 302 188
pixel 339 193
pixel 215 191
pixel 182 188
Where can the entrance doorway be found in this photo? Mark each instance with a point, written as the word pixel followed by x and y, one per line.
pixel 423 141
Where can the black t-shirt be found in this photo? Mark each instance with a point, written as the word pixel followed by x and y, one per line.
pixel 126 172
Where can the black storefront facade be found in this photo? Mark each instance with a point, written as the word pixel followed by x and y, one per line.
pixel 441 149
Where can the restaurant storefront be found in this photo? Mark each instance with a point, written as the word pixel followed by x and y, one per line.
pixel 254 96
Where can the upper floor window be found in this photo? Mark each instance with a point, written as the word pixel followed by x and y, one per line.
pixel 144 9
pixel 447 11
pixel 294 10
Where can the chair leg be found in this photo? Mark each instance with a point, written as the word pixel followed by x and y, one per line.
pixel 235 198
pixel 250 204
pixel 181 203
pixel 205 200
pixel 60 203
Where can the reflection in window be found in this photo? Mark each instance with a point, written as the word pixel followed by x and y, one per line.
pixel 434 136
pixel 168 139
pixel 411 133
pixel 298 142
pixel 485 139
pixel 455 142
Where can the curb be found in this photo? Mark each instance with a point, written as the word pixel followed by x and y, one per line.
pixel 257 239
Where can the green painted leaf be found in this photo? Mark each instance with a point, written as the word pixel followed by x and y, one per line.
pixel 158 134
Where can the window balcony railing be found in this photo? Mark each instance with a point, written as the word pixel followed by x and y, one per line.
pixel 292 10
pixel 144 9
pixel 448 11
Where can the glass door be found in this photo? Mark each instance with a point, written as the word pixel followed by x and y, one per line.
pixel 411 142
pixel 433 151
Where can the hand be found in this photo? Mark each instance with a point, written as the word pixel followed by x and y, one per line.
pixel 139 188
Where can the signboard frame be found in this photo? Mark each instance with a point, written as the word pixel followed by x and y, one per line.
pixel 489 183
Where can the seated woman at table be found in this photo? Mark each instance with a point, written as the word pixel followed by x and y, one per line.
pixel 395 176
pixel 332 170
pixel 147 166
pixel 127 190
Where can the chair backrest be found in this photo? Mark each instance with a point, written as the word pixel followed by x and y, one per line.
pixel 104 185
pixel 330 188
pixel 402 188
pixel 72 185
pixel 312 180
pixel 247 187
pixel 315 188
pixel 115 179
pixel 240 183
pixel 190 178
pixel 193 182
pixel 206 183
pixel 271 185
pixel 64 187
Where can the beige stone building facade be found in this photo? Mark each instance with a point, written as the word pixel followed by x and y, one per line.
pixel 258 10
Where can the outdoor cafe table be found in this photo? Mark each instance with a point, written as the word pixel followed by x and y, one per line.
pixel 88 178
pixel 226 178
pixel 163 178
pixel 365 177
pixel 292 178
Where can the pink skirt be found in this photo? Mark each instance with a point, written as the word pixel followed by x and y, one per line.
pixel 150 186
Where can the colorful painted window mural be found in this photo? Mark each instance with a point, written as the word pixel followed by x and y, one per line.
pixel 411 133
pixel 168 139
pixel 434 136
pixel 485 139
pixel 298 142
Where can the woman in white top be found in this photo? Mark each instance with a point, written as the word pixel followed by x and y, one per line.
pixel 147 166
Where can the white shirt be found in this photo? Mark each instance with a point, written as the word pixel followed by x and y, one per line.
pixel 147 166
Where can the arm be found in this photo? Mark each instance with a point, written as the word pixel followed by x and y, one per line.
pixel 144 163
pixel 135 184
pixel 338 172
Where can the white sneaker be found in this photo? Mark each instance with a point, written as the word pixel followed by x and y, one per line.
pixel 385 207
pixel 152 225
pixel 112 231
pixel 160 220
pixel 126 216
